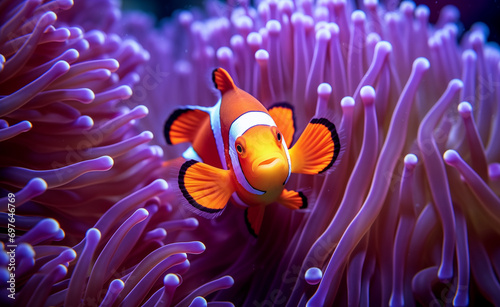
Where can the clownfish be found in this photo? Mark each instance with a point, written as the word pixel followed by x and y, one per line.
pixel 240 150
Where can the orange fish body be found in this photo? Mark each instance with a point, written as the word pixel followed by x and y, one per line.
pixel 240 150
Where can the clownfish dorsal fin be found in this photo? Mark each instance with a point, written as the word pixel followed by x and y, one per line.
pixel 222 80
pixel 205 187
pixel 292 200
pixel 316 149
pixel 283 115
pixel 253 218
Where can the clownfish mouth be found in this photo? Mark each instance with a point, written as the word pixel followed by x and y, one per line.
pixel 268 162
pixel 265 163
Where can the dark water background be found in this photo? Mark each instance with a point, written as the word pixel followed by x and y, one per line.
pixel 471 11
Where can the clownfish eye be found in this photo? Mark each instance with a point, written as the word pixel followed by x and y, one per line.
pixel 277 135
pixel 239 148
pixel 239 145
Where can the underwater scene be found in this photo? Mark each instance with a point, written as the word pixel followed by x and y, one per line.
pixel 249 153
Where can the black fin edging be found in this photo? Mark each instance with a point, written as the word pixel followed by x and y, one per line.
pixel 249 226
pixel 170 121
pixel 304 200
pixel 335 138
pixel 185 193
pixel 213 77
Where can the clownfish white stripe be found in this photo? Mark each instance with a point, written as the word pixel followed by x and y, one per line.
pixel 238 127
pixel 283 143
pixel 216 129
pixel 246 121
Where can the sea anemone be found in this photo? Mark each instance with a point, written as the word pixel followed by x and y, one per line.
pixel 80 211
pixel 410 214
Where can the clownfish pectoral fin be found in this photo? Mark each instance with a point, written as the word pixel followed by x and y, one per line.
pixel 292 199
pixel 205 187
pixel 253 219
pixel 283 116
pixel 222 80
pixel 183 125
pixel 316 149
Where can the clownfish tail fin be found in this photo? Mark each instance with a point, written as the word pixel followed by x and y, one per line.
pixel 222 80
